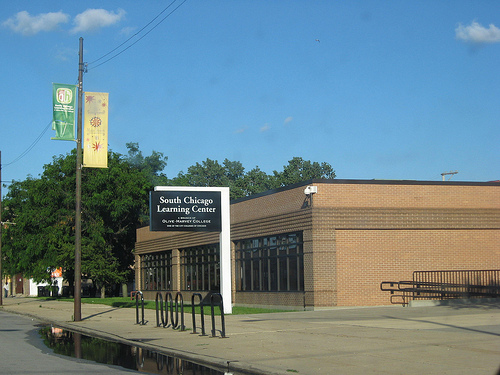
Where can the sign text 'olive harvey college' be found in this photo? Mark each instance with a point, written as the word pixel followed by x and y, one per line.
pixel 185 211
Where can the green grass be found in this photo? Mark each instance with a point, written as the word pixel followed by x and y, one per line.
pixel 126 302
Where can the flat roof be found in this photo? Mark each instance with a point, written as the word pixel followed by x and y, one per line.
pixel 368 182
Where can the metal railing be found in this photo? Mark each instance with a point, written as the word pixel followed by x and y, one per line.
pixel 442 285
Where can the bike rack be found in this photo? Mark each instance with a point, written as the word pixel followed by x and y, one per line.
pixel 159 297
pixel 194 315
pixel 169 302
pixel 221 306
pixel 175 325
pixel 215 299
pixel 137 294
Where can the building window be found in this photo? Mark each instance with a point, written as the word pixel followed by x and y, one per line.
pixel 200 268
pixel 273 264
pixel 156 271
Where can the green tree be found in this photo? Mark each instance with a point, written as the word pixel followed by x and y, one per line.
pixel 241 184
pixel 208 173
pixel 114 201
pixel 257 181
pixel 43 210
pixel 114 205
pixel 299 170
pixel 212 173
pixel 152 165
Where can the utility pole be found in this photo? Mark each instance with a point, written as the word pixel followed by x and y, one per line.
pixel 1 225
pixel 77 315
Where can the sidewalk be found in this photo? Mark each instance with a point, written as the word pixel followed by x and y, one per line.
pixel 455 339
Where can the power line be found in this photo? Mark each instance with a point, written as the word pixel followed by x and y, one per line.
pixel 30 147
pixel 137 33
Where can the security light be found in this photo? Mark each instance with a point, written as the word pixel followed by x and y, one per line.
pixel 310 190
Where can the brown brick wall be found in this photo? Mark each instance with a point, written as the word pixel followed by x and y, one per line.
pixel 392 195
pixel 269 206
pixel 292 300
pixel 323 263
pixel 367 257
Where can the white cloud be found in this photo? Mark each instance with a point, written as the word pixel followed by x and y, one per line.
pixel 93 19
pixel 127 31
pixel 265 128
pixel 28 25
pixel 287 120
pixel 475 33
pixel 65 53
pixel 241 130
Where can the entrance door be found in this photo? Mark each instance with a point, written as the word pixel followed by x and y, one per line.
pixel 19 284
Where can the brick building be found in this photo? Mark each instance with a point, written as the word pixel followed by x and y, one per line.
pixel 332 247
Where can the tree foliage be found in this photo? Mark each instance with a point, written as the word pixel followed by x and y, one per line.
pixel 43 212
pixel 299 170
pixel 114 205
pixel 241 184
pixel 114 201
pixel 152 165
pixel 212 173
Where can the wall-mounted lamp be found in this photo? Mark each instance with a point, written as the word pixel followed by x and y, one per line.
pixel 310 190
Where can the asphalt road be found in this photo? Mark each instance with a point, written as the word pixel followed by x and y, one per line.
pixel 22 351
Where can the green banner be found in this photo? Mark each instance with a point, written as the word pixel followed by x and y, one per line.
pixel 63 118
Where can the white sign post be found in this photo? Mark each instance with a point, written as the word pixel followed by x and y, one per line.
pixel 225 237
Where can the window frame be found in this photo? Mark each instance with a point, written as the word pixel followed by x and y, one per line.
pixel 270 263
pixel 200 268
pixel 156 271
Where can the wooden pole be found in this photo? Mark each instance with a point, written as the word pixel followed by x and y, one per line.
pixel 78 214
pixel 1 225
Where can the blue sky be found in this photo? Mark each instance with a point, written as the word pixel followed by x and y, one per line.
pixel 378 89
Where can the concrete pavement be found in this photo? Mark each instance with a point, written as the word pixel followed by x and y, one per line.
pixel 454 339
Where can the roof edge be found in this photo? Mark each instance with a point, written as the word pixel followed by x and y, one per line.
pixel 366 182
